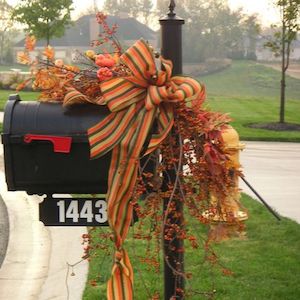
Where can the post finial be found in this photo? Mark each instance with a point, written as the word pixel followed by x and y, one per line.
pixel 172 8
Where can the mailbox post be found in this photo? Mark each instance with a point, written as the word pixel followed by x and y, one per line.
pixel 171 48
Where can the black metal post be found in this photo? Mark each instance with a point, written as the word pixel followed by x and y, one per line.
pixel 261 199
pixel 171 48
pixel 171 38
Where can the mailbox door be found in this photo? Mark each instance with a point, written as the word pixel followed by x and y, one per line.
pixel 34 166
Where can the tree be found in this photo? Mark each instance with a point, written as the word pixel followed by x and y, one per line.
pixel 251 30
pixel 281 44
pixel 44 18
pixel 160 8
pixel 111 6
pixel 130 7
pixel 145 8
pixel 6 26
pixel 212 30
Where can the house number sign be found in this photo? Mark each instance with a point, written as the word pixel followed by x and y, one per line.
pixel 73 212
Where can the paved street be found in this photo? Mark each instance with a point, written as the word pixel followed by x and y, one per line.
pixel 273 169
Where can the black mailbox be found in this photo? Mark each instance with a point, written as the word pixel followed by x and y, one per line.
pixel 46 148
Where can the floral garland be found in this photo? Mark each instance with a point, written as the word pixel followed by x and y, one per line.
pixel 146 105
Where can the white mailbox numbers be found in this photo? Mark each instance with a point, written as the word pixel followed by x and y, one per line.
pixel 82 210
pixel 73 212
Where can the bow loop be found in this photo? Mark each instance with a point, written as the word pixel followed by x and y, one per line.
pixel 140 60
pixel 147 83
pixel 156 95
pixel 121 93
pixel 168 67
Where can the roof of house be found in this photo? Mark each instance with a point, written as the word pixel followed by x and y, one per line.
pixel 78 35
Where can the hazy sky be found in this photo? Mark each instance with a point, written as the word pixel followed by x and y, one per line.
pixel 264 8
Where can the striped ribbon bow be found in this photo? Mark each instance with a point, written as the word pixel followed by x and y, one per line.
pixel 135 102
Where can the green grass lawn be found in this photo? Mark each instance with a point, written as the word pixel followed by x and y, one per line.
pixel 23 68
pixel 251 80
pixel 266 265
pixel 246 110
pixel 249 92
pixel 4 94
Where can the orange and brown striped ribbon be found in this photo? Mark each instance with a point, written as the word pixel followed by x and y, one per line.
pixel 73 96
pixel 135 103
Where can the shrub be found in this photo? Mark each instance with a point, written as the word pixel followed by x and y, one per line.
pixel 10 79
pixel 210 66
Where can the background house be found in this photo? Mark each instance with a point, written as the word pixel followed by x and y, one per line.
pixel 265 54
pixel 85 29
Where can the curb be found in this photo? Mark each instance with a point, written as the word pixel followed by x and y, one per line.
pixel 24 269
pixel 4 230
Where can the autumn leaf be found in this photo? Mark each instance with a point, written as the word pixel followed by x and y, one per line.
pixel 30 42
pixel 49 52
pixel 45 81
pixel 23 58
pixel 70 68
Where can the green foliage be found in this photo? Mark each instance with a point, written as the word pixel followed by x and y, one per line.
pixel 286 33
pixel 44 18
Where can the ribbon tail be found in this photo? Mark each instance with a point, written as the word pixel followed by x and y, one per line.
pixel 165 123
pixel 122 180
pixel 120 285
